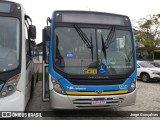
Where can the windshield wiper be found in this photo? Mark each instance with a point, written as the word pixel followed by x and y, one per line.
pixel 85 39
pixel 103 47
pixel 108 41
pixel 91 48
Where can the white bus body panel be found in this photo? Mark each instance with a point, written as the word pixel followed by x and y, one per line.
pixel 14 102
pixel 23 79
pixel 19 99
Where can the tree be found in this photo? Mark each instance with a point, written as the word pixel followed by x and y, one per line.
pixel 147 33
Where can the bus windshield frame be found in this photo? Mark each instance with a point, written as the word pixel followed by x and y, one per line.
pixel 96 40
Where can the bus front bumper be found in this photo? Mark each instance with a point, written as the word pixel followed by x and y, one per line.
pixel 59 101
pixel 14 102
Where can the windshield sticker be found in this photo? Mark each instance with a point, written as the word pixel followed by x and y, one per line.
pixel 102 69
pixel 90 71
pixel 109 61
pixel 69 54
pixel 105 61
pixel 10 64
pixel 113 61
pixel 99 51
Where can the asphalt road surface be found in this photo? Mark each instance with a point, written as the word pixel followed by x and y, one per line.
pixel 148 99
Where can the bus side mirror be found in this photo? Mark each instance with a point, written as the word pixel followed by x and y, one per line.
pixel 46 38
pixel 46 33
pixel 32 31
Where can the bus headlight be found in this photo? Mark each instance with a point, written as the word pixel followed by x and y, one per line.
pixel 57 87
pixel 133 86
pixel 10 86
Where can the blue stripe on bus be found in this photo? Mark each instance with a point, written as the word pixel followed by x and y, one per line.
pixel 1 85
pixel 70 87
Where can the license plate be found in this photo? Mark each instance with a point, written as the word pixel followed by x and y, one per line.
pixel 99 102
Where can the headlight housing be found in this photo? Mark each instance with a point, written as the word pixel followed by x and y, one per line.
pixel 133 86
pixel 57 86
pixel 10 86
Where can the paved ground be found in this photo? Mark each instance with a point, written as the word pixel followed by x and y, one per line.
pixel 148 99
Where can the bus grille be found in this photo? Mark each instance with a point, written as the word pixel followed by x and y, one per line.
pixel 87 103
pixel 96 82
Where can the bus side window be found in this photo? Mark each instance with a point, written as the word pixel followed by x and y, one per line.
pixel 27 47
pixel 28 57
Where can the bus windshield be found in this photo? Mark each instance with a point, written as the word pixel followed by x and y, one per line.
pixel 9 43
pixel 90 50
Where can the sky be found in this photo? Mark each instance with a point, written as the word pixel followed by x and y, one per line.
pixel 39 10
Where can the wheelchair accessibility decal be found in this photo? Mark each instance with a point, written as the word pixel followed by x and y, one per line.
pixel 102 69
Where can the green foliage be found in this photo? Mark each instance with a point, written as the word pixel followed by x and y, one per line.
pixel 148 33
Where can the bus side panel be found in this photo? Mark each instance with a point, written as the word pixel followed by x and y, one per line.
pixel 22 81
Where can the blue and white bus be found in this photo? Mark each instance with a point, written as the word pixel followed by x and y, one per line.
pixel 16 57
pixel 89 60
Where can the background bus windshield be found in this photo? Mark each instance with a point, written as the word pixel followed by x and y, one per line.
pixel 83 51
pixel 9 43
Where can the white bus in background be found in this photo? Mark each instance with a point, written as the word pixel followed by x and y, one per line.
pixel 17 78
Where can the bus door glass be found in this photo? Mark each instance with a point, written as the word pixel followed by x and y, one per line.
pixel 45 66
